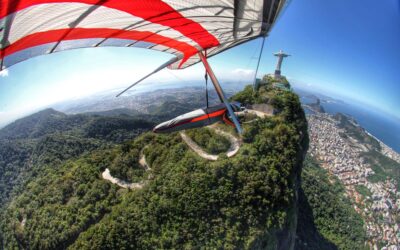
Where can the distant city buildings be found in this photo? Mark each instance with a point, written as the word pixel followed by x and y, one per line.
pixel 341 155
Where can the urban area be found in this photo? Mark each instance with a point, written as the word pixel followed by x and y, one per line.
pixel 343 156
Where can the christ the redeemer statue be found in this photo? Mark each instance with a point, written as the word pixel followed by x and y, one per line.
pixel 280 56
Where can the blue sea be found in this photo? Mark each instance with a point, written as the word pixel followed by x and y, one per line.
pixel 381 125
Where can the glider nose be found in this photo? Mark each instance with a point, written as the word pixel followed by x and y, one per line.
pixel 156 129
pixel 159 128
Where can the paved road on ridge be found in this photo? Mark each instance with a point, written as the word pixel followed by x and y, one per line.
pixel 234 148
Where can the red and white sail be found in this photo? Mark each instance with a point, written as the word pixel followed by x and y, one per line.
pixel 30 28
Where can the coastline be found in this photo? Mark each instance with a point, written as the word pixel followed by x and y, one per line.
pixel 386 150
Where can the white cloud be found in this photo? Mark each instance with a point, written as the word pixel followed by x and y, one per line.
pixel 4 73
pixel 238 75
pixel 243 72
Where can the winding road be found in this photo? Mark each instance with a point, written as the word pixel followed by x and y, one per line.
pixel 233 149
pixel 107 176
pixel 124 184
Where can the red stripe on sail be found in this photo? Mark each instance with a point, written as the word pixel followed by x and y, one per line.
pixel 83 33
pixel 154 11
pixel 211 115
pixel 197 119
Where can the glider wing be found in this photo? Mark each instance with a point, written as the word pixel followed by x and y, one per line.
pixel 30 28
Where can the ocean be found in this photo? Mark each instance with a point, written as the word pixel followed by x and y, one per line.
pixel 381 125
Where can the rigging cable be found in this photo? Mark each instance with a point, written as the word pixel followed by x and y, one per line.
pixel 206 78
pixel 247 66
pixel 258 64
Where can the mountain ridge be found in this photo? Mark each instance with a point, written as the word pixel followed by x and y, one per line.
pixel 182 192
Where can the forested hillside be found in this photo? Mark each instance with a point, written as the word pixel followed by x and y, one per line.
pixel 327 219
pixel 247 201
pixel 45 140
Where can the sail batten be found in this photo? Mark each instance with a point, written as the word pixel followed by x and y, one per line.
pixel 180 28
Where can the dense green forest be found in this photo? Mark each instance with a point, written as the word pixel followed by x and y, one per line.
pixel 210 141
pixel 45 140
pixel 382 166
pixel 247 201
pixel 327 219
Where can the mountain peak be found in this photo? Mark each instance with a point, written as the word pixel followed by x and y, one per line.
pixel 30 125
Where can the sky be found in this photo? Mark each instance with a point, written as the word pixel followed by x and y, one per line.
pixel 344 49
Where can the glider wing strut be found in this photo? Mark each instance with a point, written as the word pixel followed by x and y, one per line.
pixel 220 92
pixel 164 65
pixel 214 80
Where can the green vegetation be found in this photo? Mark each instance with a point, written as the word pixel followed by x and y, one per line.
pixel 246 201
pixel 55 208
pixel 47 168
pixel 46 140
pixel 383 167
pixel 357 132
pixel 210 141
pixel 231 203
pixel 248 117
pixel 270 80
pixel 125 164
pixel 363 190
pixel 327 219
pixel 246 96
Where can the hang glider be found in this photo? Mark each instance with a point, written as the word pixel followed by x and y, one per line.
pixel 198 118
pixel 30 28
pixel 185 29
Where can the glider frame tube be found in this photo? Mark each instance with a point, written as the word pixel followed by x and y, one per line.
pixel 163 66
pixel 220 92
